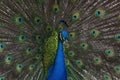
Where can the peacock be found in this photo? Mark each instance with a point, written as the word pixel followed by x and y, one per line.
pixel 59 39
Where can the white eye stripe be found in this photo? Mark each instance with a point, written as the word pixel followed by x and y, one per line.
pixel 60 36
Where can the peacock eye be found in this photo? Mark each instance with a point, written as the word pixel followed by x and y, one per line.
pixel 8 59
pixel 49 28
pixel 117 69
pixel 37 20
pixel 18 20
pixel 71 53
pixel 31 67
pixel 56 8
pixel 28 50
pixel 38 56
pixel 97 60
pixel 84 46
pixel 109 52
pixel 107 77
pixel 75 16
pixel 2 46
pixel 2 78
pixel 67 62
pixel 79 63
pixel 71 35
pixel 19 67
pixel 117 37
pixel 100 13
pixel 21 38
pixel 38 37
pixel 94 33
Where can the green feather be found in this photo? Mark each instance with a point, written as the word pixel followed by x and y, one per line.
pixel 50 49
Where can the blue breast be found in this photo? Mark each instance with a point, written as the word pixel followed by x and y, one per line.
pixel 58 70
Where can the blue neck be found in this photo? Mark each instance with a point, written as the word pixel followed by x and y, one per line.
pixel 58 70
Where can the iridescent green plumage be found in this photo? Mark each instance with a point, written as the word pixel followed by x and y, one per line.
pixel 50 49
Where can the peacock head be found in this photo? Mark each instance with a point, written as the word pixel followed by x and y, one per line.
pixel 63 36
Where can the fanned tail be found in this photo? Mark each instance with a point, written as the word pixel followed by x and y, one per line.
pixel 26 38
